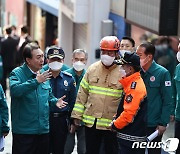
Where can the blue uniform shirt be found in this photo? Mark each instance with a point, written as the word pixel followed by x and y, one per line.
pixel 64 84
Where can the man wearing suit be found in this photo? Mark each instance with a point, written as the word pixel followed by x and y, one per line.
pixel 8 53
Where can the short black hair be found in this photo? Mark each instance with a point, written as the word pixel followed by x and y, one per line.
pixel 8 30
pixel 150 48
pixel 24 29
pixel 13 27
pixel 130 39
pixel 27 51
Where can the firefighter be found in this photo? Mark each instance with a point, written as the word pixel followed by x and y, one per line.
pixel 130 121
pixel 98 98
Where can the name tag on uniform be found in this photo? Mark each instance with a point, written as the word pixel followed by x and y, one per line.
pixel 167 83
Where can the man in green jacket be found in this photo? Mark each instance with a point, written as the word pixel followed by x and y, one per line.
pixel 79 61
pixel 159 92
pixel 31 95
pixel 176 100
pixel 4 117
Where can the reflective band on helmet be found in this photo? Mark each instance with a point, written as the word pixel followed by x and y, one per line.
pixel 78 107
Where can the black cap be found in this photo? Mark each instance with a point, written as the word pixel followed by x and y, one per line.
pixel 130 58
pixel 55 52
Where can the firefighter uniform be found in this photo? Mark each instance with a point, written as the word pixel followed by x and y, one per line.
pixel 131 115
pixel 98 98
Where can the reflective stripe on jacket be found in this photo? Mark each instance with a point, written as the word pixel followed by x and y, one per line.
pixel 98 96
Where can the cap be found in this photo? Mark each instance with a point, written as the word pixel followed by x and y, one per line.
pixel 130 58
pixel 55 52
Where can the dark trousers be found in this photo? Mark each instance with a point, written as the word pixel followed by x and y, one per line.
pixel 58 133
pixel 30 144
pixel 123 149
pixel 94 138
pixel 149 131
pixel 177 134
pixel 81 144
pixel 6 72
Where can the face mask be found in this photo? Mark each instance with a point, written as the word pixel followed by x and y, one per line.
pixel 55 66
pixel 178 56
pixel 122 72
pixel 78 66
pixel 107 60
pixel 122 52
pixel 164 46
pixel 143 62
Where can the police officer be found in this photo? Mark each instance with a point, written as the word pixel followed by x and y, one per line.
pixel 130 121
pixel 63 85
pixel 159 92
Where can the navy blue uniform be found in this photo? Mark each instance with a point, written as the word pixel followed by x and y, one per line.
pixel 63 84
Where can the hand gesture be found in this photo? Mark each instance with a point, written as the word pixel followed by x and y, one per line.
pixel 43 76
pixel 161 129
pixel 72 128
pixel 77 122
pixel 60 103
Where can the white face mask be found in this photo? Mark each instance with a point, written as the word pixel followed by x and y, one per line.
pixel 178 56
pixel 55 66
pixel 122 52
pixel 122 72
pixel 78 66
pixel 107 60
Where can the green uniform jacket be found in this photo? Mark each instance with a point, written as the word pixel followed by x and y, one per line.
pixel 29 102
pixel 4 117
pixel 159 94
pixel 76 77
pixel 176 93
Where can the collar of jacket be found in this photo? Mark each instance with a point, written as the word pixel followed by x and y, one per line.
pixel 128 80
pixel 75 74
pixel 110 68
pixel 27 70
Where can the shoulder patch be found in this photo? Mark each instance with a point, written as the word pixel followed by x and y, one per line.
pixel 129 98
pixel 66 73
pixel 167 83
pixel 133 85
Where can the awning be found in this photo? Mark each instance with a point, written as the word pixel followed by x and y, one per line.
pixel 50 6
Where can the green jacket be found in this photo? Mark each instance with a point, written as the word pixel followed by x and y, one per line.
pixel 29 102
pixel 176 93
pixel 1 68
pixel 159 94
pixel 76 77
pixel 4 117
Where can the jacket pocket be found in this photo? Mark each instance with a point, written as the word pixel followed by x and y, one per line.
pixel 93 80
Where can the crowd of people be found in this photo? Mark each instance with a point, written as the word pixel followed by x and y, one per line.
pixel 120 99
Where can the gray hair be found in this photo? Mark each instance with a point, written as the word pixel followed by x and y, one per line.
pixel 80 51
